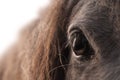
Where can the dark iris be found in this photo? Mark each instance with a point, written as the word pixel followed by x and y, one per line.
pixel 79 42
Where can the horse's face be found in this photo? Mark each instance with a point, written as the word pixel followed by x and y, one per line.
pixel 94 40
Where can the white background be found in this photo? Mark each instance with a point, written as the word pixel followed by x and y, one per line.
pixel 14 14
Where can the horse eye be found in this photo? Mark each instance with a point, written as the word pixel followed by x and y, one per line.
pixel 80 45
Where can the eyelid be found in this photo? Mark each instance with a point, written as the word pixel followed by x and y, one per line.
pixel 75 54
pixel 72 30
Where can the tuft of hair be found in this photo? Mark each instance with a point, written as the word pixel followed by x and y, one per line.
pixel 39 53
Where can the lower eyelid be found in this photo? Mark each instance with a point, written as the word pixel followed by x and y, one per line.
pixel 73 54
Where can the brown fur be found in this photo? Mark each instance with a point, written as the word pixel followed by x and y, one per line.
pixel 32 59
pixel 41 52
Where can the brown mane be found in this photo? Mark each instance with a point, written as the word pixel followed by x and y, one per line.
pixel 41 53
pixel 39 48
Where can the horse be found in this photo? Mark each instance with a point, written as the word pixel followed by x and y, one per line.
pixel 72 40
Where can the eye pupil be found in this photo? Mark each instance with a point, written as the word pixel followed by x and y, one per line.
pixel 78 44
